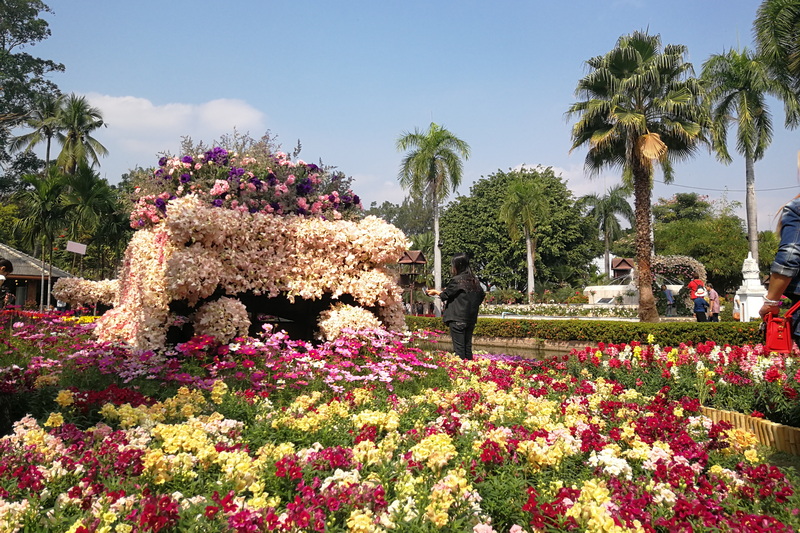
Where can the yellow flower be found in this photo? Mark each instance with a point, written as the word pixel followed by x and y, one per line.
pixel 219 391
pixel 435 451
pixel 55 420
pixel 65 398
pixel 752 456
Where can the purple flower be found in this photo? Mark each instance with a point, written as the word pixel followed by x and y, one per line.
pixel 186 178
pixel 161 205
pixel 235 172
pixel 272 179
pixel 217 202
pixel 356 199
pixel 304 187
pixel 187 159
pixel 217 155
pixel 162 161
pixel 312 167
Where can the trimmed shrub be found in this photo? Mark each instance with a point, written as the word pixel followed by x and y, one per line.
pixel 610 331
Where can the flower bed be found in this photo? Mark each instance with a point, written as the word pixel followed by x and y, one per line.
pixel 744 379
pixel 359 434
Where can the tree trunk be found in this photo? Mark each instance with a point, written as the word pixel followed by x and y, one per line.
pixel 531 256
pixel 50 277
pixel 751 208
pixel 437 260
pixel 607 238
pixel 642 194
pixel 41 286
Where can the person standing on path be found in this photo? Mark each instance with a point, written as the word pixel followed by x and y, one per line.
pixel 713 303
pixel 670 300
pixel 700 305
pixel 462 298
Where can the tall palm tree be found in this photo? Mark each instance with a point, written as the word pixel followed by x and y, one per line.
pixel 640 106
pixel 432 168
pixel 777 33
pixel 44 215
pixel 90 201
pixel 738 83
pixel 78 121
pixel 605 210
pixel 44 120
pixel 526 206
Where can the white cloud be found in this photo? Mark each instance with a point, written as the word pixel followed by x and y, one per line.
pixel 137 129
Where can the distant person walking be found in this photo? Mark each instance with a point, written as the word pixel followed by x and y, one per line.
pixel 700 305
pixel 713 303
pixel 670 300
pixel 462 298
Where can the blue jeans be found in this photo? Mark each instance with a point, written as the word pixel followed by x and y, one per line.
pixel 461 334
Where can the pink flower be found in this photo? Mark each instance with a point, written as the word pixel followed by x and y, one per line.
pixel 219 187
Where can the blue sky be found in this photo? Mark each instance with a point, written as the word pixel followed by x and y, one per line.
pixel 346 78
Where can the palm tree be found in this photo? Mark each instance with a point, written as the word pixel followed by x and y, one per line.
pixel 605 210
pixel 777 33
pixel 737 84
pixel 44 120
pixel 45 215
pixel 640 106
pixel 432 168
pixel 525 206
pixel 78 121
pixel 91 203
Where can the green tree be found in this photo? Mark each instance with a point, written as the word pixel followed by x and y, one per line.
pixel 432 168
pixel 682 206
pixel 605 210
pixel 639 105
pixel 526 206
pixel 78 120
pixel 414 216
pixel 44 121
pixel 777 33
pixel 717 240
pixel 471 224
pixel 90 203
pixel 43 215
pixel 23 77
pixel 767 248
pixel 738 83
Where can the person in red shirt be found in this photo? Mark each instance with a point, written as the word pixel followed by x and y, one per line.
pixel 693 286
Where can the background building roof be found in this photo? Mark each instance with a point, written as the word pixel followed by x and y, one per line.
pixel 26 265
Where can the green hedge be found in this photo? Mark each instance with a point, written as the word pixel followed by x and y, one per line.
pixel 610 331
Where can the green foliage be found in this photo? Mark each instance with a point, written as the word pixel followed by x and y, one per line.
pixel 414 216
pixel 717 241
pixel 23 76
pixel 682 206
pixel 767 248
pixel 504 296
pixel 593 331
pixel 471 224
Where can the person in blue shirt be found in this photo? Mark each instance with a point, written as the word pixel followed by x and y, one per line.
pixel 700 305
pixel 670 300
pixel 784 277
